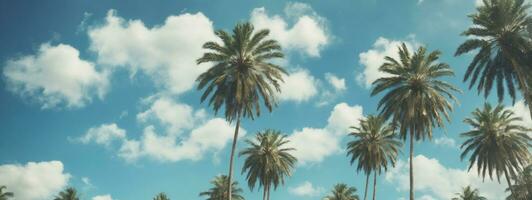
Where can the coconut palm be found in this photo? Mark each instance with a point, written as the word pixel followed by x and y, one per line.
pixel 68 194
pixel 416 100
pixel 497 143
pixel 522 186
pixel 161 196
pixel 268 161
pixel 241 76
pixel 374 146
pixel 468 193
pixel 500 35
pixel 220 189
pixel 5 195
pixel 342 192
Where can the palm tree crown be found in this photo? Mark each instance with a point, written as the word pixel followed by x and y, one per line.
pixel 342 192
pixel 522 186
pixel 68 194
pixel 268 160
pixel 220 189
pixel 500 35
pixel 5 195
pixel 469 193
pixel 497 143
pixel 161 196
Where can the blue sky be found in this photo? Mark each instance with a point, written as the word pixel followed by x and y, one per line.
pixel 100 95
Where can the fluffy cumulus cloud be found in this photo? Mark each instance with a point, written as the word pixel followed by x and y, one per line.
pixel 306 189
pixel 521 110
pixel 372 59
pixel 337 83
pixel 313 145
pixel 307 34
pixel 298 86
pixel 56 76
pixel 34 180
pixel 102 197
pixel 165 52
pixel 445 142
pixel 173 132
pixel 103 134
pixel 440 181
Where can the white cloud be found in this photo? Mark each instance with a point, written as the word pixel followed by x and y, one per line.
pixel 426 197
pixel 298 86
pixel 103 134
pixel 167 53
pixel 446 142
pixel 306 189
pixel 55 76
pixel 372 59
pixel 521 110
pixel 337 83
pixel 312 145
pixel 35 180
pixel 433 177
pixel 308 34
pixel 102 197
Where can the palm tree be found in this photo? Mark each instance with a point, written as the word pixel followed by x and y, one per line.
pixel 416 101
pixel 241 76
pixel 469 193
pixel 268 161
pixel 68 194
pixel 342 192
pixel 220 189
pixel 497 143
pixel 161 196
pixel 522 186
pixel 5 195
pixel 374 146
pixel 499 33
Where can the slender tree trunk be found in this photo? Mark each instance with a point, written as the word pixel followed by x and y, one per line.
pixel 521 77
pixel 509 183
pixel 366 190
pixel 411 165
pixel 233 147
pixel 268 192
pixel 374 184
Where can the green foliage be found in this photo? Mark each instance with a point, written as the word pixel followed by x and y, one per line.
pixel 68 194
pixel 469 193
pixel 220 189
pixel 497 142
pixel 522 186
pixel 5 195
pixel 161 196
pixel 342 192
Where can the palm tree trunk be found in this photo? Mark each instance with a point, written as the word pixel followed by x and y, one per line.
pixel 411 165
pixel 366 190
pixel 374 184
pixel 509 183
pixel 233 147
pixel 527 95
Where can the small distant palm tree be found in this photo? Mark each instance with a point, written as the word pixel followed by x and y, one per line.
pixel 268 161
pixel 522 186
pixel 374 146
pixel 342 192
pixel 469 193
pixel 220 189
pixel 5 195
pixel 500 35
pixel 416 99
pixel 161 196
pixel 497 143
pixel 242 75
pixel 68 194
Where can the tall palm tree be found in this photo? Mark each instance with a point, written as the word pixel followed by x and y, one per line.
pixel 220 189
pixel 500 35
pixel 68 194
pixel 416 100
pixel 268 161
pixel 468 193
pixel 241 76
pixel 522 186
pixel 5 195
pixel 342 192
pixel 497 143
pixel 374 146
pixel 161 196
